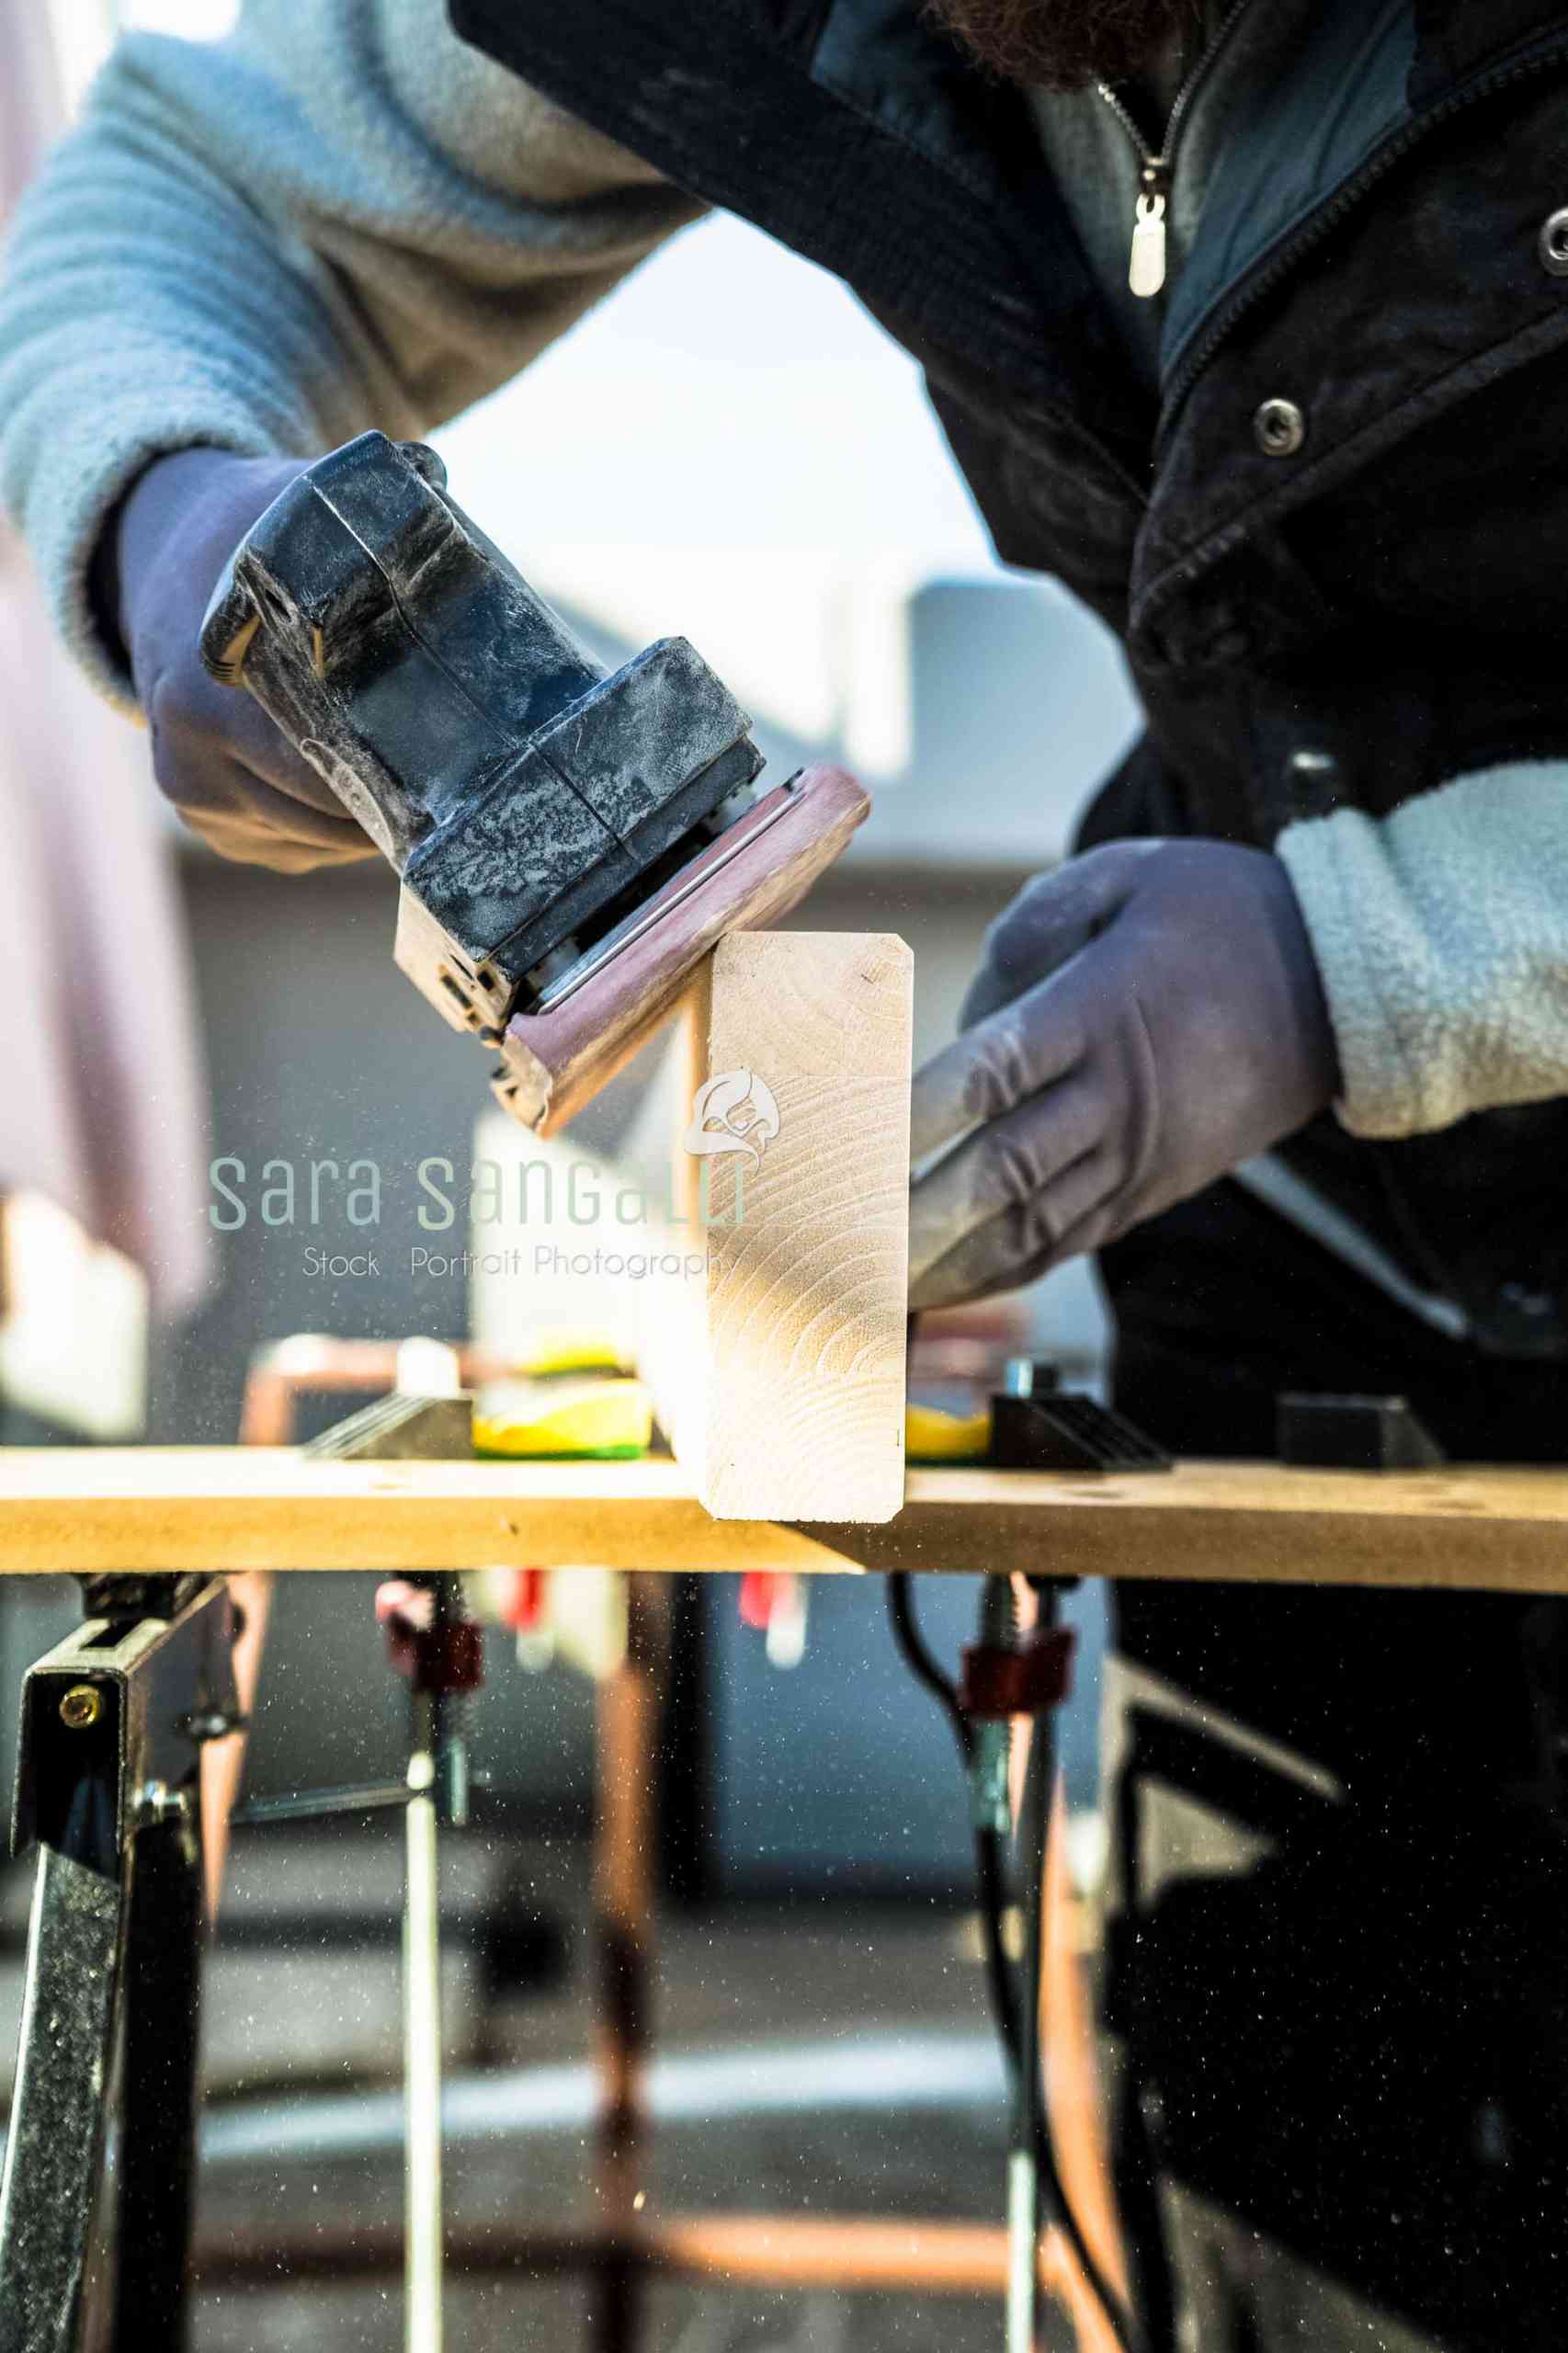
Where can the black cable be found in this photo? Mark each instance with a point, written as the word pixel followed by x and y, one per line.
pixel 1018 2023
pixel 990 1855
pixel 1034 1831
pixel 991 1872
pixel 1034 1828
pixel 922 1664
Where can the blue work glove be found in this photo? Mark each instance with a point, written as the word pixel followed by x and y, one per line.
pixel 233 775
pixel 1145 1019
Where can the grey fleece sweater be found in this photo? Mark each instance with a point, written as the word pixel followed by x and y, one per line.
pixel 343 216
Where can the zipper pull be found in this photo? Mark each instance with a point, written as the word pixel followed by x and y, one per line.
pixel 1147 266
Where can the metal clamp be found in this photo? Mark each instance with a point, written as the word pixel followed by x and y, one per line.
pixel 113 1721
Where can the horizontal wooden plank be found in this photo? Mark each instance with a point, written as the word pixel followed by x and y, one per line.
pixel 851 2253
pixel 240 1508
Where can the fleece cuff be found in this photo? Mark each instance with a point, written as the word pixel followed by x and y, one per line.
pixel 1441 934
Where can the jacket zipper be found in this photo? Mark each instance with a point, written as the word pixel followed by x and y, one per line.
pixel 1278 265
pixel 1148 265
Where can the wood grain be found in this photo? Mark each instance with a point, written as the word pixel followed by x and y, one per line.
pixel 246 1507
pixel 791 1406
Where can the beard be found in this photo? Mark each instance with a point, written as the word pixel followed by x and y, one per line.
pixel 1065 44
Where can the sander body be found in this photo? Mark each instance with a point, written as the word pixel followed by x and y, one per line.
pixel 571 843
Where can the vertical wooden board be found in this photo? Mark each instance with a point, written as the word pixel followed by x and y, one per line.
pixel 800 1125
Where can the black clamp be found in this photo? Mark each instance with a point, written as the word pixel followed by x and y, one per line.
pixel 1036 1425
pixel 1332 1432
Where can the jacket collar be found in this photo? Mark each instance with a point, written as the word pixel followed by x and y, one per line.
pixel 1303 139
pixel 857 134
pixel 1455 38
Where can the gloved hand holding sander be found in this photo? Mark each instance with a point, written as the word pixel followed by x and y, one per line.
pixel 571 845
pixel 226 767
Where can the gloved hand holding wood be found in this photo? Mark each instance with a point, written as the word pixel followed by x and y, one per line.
pixel 1145 1018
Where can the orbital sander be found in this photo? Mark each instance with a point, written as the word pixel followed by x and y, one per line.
pixel 571 843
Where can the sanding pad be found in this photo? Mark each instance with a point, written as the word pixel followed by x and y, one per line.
pixel 554 1062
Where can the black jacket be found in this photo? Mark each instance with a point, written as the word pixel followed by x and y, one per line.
pixel 1332 548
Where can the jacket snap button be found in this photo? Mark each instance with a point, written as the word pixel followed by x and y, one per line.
pixel 1315 783
pixel 1554 244
pixel 1280 429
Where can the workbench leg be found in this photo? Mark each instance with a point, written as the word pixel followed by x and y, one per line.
pixel 55 2147
pixel 629 1720
pixel 223 1761
pixel 424 2217
pixel 102 1992
pixel 96 2202
pixel 158 2097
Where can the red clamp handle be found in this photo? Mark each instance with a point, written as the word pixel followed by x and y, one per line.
pixel 434 1648
pixel 999 1683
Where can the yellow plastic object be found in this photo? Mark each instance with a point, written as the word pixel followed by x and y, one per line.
pixel 932 1436
pixel 568 1347
pixel 562 1416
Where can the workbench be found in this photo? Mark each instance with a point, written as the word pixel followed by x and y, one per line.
pixel 270 1506
pixel 228 1509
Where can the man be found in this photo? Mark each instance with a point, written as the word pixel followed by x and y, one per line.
pixel 1257 346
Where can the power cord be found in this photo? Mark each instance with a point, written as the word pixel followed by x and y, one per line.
pixel 990 1853
pixel 1035 2171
